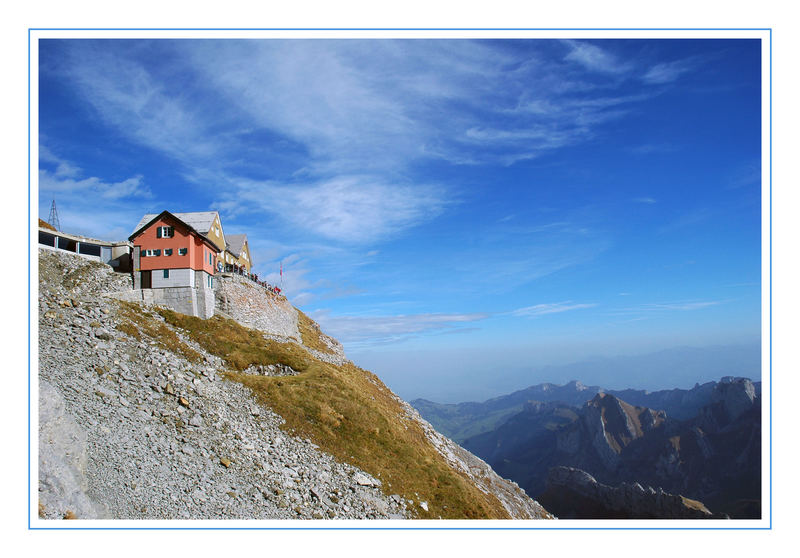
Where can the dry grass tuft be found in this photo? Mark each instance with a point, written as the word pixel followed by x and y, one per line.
pixel 311 334
pixel 137 322
pixel 694 504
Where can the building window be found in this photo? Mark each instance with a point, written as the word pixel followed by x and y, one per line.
pixel 165 232
pixel 168 251
pixel 210 282
pixel 166 274
pixel 149 253
pixel 209 259
pixel 182 251
pixel 47 239
pixel 89 249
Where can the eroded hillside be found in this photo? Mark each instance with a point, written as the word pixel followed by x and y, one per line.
pixel 190 418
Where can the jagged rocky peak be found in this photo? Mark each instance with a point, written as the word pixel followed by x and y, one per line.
pixel 576 385
pixel 617 423
pixel 637 419
pixel 736 395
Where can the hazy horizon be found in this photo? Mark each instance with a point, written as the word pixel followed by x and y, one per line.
pixel 675 367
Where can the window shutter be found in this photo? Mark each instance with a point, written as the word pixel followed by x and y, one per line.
pixel 172 231
pixel 158 232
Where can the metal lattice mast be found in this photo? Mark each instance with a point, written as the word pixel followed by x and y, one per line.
pixel 53 219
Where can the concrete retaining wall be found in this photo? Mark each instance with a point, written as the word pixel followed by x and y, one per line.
pixel 177 278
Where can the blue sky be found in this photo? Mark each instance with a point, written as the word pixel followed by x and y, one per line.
pixel 458 213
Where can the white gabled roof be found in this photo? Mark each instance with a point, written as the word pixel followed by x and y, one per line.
pixel 236 243
pixel 199 220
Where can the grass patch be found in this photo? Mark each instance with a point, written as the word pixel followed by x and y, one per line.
pixel 137 322
pixel 240 347
pixel 348 412
pixel 311 334
pixel 358 421
pixel 694 504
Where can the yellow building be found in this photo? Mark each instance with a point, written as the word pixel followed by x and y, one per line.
pixel 237 253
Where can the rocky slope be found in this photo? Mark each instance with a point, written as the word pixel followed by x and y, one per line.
pixel 148 414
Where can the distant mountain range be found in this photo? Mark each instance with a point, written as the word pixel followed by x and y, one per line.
pixel 460 421
pixel 703 443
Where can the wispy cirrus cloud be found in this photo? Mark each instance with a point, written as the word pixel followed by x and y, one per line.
pixel 667 72
pixel 683 306
pixel 343 120
pixel 660 307
pixel 346 208
pixel 550 308
pixel 594 58
pixel 383 329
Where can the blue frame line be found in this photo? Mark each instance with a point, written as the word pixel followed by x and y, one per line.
pixel 29 279
pixel 312 528
pixel 401 29
pixel 770 278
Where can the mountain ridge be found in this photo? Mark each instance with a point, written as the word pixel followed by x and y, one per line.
pixel 464 420
pixel 713 457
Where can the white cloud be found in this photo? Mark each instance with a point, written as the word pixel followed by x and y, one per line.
pixel 346 208
pixel 594 58
pixel 684 305
pixel 337 127
pixel 344 107
pixel 66 179
pixel 550 308
pixel 78 198
pixel 680 306
pixel 666 72
pixel 382 329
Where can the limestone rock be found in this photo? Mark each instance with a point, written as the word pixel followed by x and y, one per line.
pixel 63 485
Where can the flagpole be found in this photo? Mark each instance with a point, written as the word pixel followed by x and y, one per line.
pixel 281 275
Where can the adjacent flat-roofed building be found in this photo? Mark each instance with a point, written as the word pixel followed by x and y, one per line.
pixel 115 254
pixel 176 263
pixel 237 253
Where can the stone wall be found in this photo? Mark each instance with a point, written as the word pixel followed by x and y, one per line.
pixel 186 300
pixel 253 306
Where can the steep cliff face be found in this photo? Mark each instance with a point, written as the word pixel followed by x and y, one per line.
pixel 611 425
pixel 191 418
